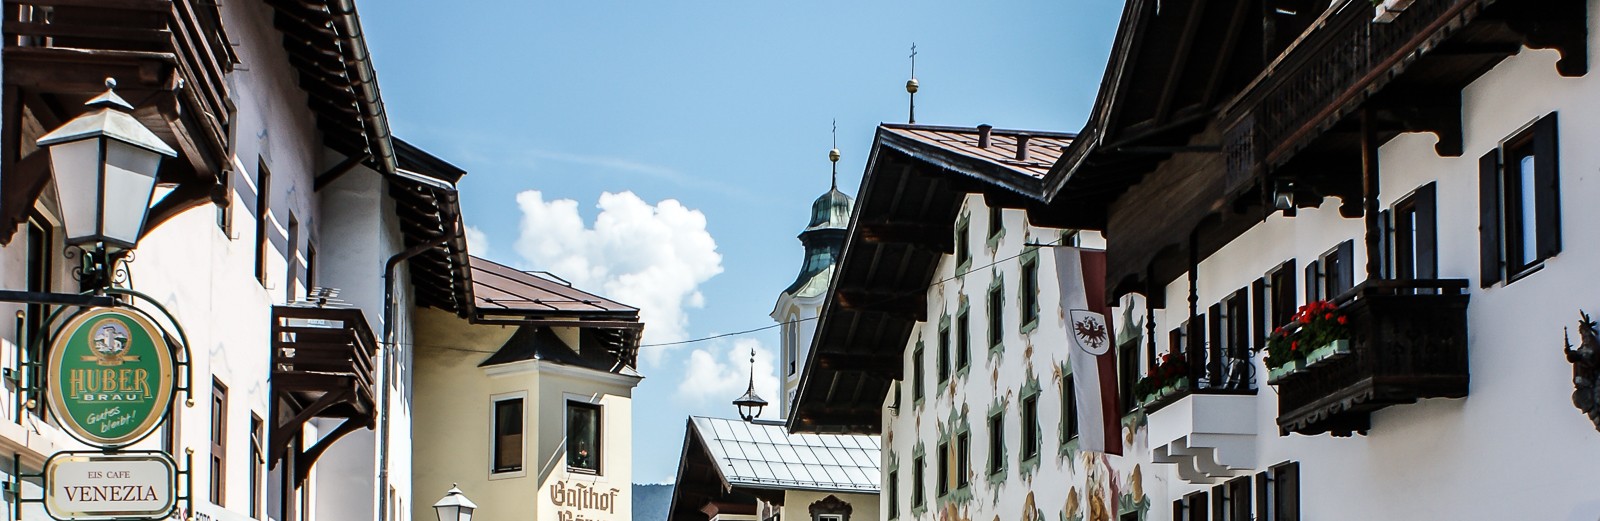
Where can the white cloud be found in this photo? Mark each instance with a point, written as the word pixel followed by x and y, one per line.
pixel 653 257
pixel 717 375
pixel 477 241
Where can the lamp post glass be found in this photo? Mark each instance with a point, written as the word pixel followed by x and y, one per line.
pixel 104 163
pixel 454 506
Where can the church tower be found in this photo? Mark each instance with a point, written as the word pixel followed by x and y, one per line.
pixel 800 303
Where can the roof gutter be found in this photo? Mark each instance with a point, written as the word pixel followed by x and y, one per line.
pixel 364 81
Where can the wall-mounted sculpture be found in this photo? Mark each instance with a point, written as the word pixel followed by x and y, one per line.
pixel 1585 368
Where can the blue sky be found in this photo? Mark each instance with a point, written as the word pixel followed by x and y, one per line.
pixel 708 123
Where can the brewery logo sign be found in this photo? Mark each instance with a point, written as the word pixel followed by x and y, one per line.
pixel 109 376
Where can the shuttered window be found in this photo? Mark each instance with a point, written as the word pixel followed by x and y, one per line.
pixel 1414 236
pixel 1519 204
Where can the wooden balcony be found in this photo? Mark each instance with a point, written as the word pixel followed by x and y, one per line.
pixel 1409 71
pixel 1408 341
pixel 168 56
pixel 322 367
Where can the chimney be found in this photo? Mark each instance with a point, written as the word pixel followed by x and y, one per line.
pixel 1022 147
pixel 983 135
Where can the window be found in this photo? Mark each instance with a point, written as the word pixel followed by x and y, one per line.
pixel 1282 288
pixel 963 247
pixel 41 254
pixel 963 456
pixel 508 426
pixel 945 476
pixel 1193 508
pixel 1128 373
pixel 997 442
pixel 916 372
pixel 997 303
pixel 917 494
pixel 996 223
pixel 1332 274
pixel 1069 409
pixel 225 208
pixel 1520 204
pixel 944 351
pixel 583 437
pixel 1415 236
pixel 219 441
pixel 1231 500
pixel 1278 493
pixel 1030 427
pixel 1029 299
pixel 291 257
pixel 894 494
pixel 963 339
pixel 263 222
pixel 790 342
pixel 258 458
pixel 311 266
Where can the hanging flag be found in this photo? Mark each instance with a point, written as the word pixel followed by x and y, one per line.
pixel 1082 275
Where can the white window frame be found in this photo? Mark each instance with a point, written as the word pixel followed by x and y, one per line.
pixel 495 399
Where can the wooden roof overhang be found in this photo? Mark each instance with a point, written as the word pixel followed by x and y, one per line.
pixel 699 483
pixel 325 44
pixel 429 208
pixel 902 225
pixel 168 57
pixel 1167 200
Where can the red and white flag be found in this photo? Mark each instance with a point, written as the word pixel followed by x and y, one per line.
pixel 1082 274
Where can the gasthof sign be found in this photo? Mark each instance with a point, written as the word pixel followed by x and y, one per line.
pixel 110 376
pixel 90 486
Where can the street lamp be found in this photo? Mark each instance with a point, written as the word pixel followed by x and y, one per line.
pixel 750 405
pixel 104 163
pixel 454 506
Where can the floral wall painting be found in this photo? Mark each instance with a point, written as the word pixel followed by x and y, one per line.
pixel 1030 509
pixel 1134 501
pixel 1099 479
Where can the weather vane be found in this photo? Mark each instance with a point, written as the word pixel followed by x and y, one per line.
pixel 911 84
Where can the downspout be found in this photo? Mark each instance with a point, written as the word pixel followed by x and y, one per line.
pixel 453 231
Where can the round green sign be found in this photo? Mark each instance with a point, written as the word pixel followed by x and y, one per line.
pixel 110 376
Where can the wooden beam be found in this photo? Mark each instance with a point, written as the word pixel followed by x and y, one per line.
pixel 911 304
pixel 339 170
pixel 936 237
pixel 890 367
pixel 1169 90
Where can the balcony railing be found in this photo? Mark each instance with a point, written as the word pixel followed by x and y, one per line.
pixel 1324 76
pixel 1211 370
pixel 322 367
pixel 187 34
pixel 1408 341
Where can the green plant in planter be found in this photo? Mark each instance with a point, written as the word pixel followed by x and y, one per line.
pixel 1315 324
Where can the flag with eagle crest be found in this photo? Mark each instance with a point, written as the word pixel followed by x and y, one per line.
pixel 1082 275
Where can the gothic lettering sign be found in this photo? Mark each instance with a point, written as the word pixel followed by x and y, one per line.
pixel 93 486
pixel 110 376
pixel 583 502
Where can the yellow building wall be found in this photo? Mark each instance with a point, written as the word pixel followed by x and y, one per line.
pixel 452 432
pixel 797 505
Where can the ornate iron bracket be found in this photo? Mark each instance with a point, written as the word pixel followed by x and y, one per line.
pixel 1585 362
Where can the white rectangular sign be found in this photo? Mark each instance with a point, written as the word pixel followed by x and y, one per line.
pixel 90 486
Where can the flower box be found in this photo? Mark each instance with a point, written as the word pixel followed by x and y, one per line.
pixel 1328 352
pixel 1282 372
pixel 1385 11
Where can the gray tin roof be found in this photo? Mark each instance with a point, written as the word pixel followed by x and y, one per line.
pixel 765 455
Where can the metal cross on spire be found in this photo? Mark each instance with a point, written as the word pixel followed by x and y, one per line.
pixel 911 84
pixel 833 154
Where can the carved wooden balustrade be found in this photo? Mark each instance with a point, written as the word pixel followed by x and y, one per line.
pixel 1408 341
pixel 1318 81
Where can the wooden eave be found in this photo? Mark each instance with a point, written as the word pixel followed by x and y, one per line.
pixel 699 482
pixel 900 229
pixel 324 42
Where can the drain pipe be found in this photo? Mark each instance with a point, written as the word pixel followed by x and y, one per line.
pixel 450 233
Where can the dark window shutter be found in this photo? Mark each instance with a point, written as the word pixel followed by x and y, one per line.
pixel 1489 219
pixel 1312 284
pixel 1214 347
pixel 1258 313
pixel 1388 256
pixel 1347 264
pixel 1263 507
pixel 1427 254
pixel 1547 179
